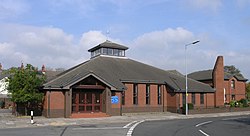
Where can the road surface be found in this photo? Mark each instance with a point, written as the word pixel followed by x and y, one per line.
pixel 223 126
pixel 220 126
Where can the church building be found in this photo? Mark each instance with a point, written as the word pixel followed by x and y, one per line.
pixel 110 83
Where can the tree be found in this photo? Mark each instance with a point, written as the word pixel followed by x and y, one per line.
pixel 248 90
pixel 232 70
pixel 24 86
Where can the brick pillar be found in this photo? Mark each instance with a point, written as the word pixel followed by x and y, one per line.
pixel 218 82
pixel 68 103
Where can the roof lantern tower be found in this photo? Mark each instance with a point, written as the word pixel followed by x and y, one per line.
pixel 108 48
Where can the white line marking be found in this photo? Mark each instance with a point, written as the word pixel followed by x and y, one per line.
pixel 126 126
pixel 203 133
pixel 130 131
pixel 98 128
pixel 203 123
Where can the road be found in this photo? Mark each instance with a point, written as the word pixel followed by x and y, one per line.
pixel 117 129
pixel 230 126
pixel 223 126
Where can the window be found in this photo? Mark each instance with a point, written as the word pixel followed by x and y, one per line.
pixel 104 51
pixel 147 94
pixel 232 84
pixel 123 98
pixel 121 52
pixel 233 97
pixel 135 94
pixel 183 98
pixel 193 98
pixel 97 52
pixel 116 52
pixel 110 51
pixel 202 98
pixel 159 94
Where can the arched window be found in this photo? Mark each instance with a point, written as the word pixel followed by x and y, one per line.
pixel 232 84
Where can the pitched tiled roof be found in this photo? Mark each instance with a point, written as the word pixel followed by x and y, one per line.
pixel 208 75
pixel 114 72
pixel 108 44
pixel 175 72
pixel 202 75
pixel 51 74
pixel 227 76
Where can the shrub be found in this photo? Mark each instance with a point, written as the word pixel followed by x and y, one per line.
pixel 244 102
pixel 232 103
pixel 190 107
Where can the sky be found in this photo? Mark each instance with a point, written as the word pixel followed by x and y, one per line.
pixel 58 33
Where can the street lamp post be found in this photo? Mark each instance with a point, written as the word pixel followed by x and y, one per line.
pixel 186 73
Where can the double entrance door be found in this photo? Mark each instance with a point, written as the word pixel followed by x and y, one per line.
pixel 86 101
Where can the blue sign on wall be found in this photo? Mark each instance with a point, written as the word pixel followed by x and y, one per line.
pixel 114 99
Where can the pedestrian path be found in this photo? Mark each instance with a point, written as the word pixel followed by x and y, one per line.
pixel 9 121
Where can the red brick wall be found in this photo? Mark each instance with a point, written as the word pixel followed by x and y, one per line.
pixel 116 108
pixel 142 106
pixel 153 95
pixel 56 104
pixel 118 105
pixel 129 96
pixel 164 89
pixel 57 100
pixel 197 100
pixel 141 94
pixel 209 100
pixel 172 102
pixel 239 91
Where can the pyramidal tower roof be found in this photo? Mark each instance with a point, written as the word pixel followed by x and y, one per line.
pixel 108 48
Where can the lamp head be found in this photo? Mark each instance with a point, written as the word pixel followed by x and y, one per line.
pixel 195 42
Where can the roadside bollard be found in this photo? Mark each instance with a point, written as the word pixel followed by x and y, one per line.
pixel 31 117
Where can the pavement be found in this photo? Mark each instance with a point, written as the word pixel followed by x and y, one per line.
pixel 9 121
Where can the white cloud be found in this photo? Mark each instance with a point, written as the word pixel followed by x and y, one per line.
pixel 44 45
pixel 166 37
pixel 5 49
pixel 163 48
pixel 12 8
pixel 37 45
pixel 91 38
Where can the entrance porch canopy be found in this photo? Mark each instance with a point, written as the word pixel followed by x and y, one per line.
pixel 53 84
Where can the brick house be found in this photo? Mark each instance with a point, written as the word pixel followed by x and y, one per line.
pixel 228 87
pixel 4 95
pixel 111 84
